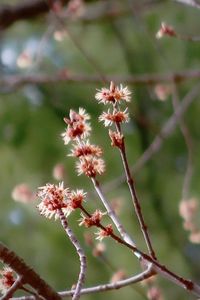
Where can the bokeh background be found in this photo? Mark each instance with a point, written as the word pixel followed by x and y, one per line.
pixel 93 41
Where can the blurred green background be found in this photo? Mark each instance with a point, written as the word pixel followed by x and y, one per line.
pixel 31 121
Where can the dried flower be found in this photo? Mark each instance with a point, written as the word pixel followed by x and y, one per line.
pixel 115 117
pixel 22 193
pixel 165 30
pixel 84 149
pixel 90 166
pixel 77 126
pixel 102 233
pixel 113 94
pixel 116 139
pixel 7 279
pixel 53 198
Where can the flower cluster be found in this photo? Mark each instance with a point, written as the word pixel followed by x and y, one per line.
pixel 115 96
pixel 55 198
pixel 102 233
pixel 78 127
pixel 93 220
pixel 78 130
pixel 7 279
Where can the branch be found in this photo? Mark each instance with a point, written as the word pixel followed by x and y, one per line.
pixel 16 81
pixel 9 14
pixel 28 275
pixel 158 141
pixel 194 3
pixel 113 216
pixel 80 252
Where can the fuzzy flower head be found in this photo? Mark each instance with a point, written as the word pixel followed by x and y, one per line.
pixel 78 127
pixel 113 94
pixel 7 279
pixel 84 149
pixel 102 233
pixel 76 199
pixel 94 220
pixel 90 166
pixel 117 139
pixel 53 198
pixel 116 116
pixel 165 30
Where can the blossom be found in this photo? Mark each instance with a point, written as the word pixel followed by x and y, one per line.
pixel 85 148
pixel 116 139
pixel 165 30
pixel 93 220
pixel 90 166
pixel 102 233
pixel 116 116
pixel 113 94
pixel 7 279
pixel 53 198
pixel 76 199
pixel 77 126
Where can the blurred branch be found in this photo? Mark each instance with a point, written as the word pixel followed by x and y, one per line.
pixel 16 81
pixel 27 274
pixel 189 145
pixel 193 3
pixel 9 14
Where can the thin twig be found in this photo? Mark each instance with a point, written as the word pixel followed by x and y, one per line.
pixel 157 143
pixel 188 141
pixel 116 285
pixel 135 199
pixel 80 252
pixel 16 81
pixel 112 215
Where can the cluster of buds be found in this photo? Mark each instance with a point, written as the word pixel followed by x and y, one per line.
pixel 95 220
pixel 165 30
pixel 55 198
pixel 7 279
pixel 114 96
pixel 188 211
pixel 77 131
